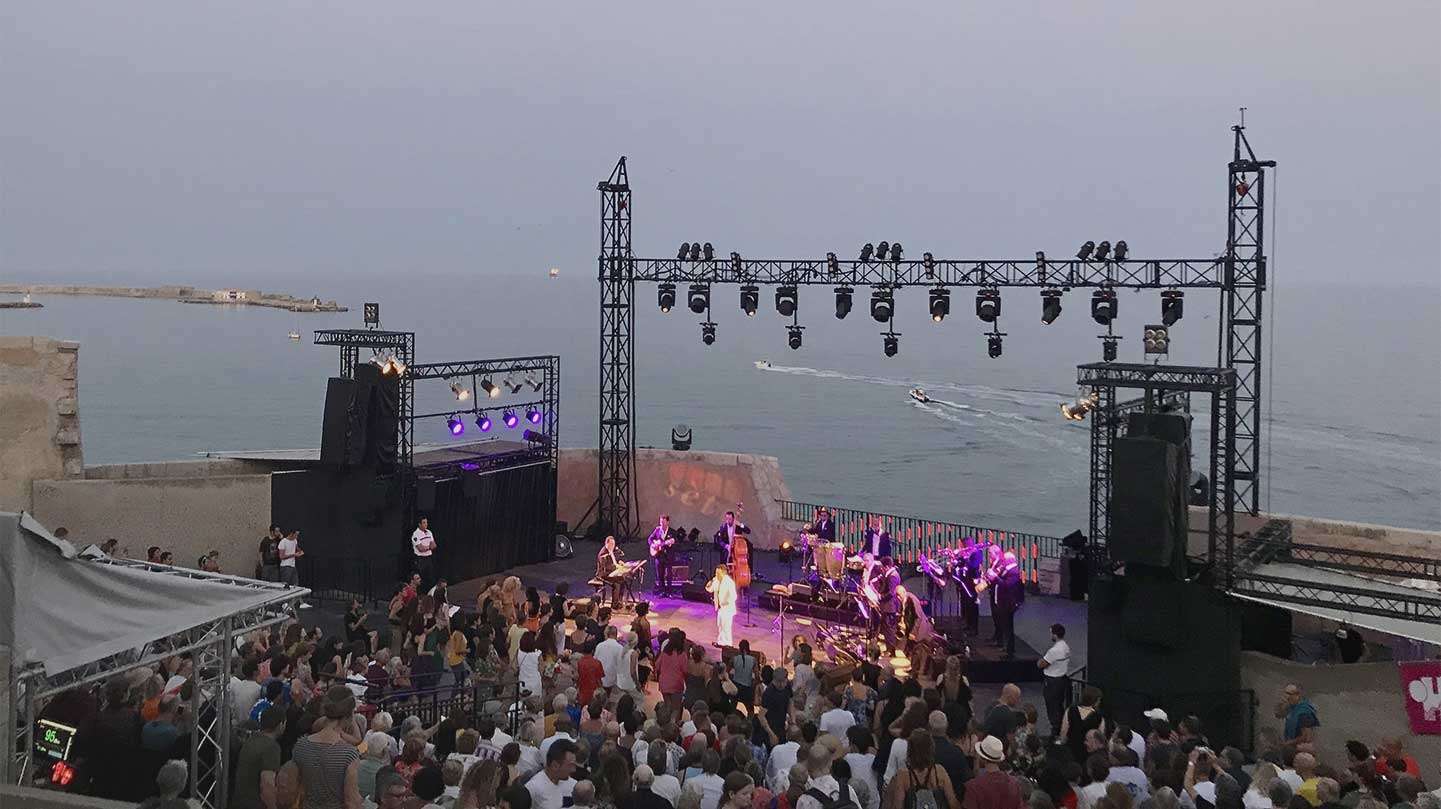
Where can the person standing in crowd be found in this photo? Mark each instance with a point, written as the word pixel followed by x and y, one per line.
pixel 258 762
pixel 289 548
pixel 992 788
pixel 743 667
pixel 1056 666
pixel 270 554
pixel 422 546
pixel 611 653
pixel 553 786
pixel 1299 719
pixel 325 764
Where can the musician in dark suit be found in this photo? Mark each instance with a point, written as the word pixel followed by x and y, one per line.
pixel 823 526
pixel 877 542
pixel 661 543
pixel 886 579
pixel 605 564
pixel 972 563
pixel 727 533
pixel 1010 590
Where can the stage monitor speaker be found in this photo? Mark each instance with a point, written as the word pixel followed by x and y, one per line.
pixel 339 393
pixel 1144 497
pixel 679 574
pixel 424 496
pixel 695 592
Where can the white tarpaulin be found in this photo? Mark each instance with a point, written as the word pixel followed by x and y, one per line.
pixel 63 611
pixel 1422 630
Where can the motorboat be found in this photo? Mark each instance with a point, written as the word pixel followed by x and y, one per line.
pixel 763 363
pixel 294 335
pixel 919 394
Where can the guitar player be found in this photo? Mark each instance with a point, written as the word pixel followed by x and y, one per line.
pixel 660 544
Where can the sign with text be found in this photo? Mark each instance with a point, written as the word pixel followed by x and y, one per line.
pixel 1421 688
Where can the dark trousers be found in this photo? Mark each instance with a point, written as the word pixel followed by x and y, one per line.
pixel 888 622
pixel 1057 692
pixel 1006 628
pixel 425 566
pixel 970 614
pixel 995 616
pixel 662 573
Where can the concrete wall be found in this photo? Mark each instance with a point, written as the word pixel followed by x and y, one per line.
pixel 39 416
pixel 695 488
pixel 1361 701
pixel 1331 533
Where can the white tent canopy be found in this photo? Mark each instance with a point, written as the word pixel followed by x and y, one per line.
pixel 62 610
pixel 1308 576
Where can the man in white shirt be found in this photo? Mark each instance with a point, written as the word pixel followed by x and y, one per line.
pixel 552 787
pixel 665 784
pixel 1056 666
pixel 422 544
pixel 819 765
pixel 563 728
pixel 246 689
pixel 836 720
pixel 862 759
pixel 783 756
pixel 610 652
pixel 289 551
pixel 710 783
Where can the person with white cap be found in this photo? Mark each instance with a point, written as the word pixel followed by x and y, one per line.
pixel 992 788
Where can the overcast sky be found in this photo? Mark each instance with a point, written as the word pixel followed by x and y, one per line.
pixel 188 141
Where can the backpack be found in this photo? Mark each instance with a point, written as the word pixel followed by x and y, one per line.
pixel 842 799
pixel 921 795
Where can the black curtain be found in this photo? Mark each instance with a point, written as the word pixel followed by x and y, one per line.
pixel 486 523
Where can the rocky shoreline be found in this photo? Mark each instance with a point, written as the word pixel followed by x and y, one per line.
pixel 184 294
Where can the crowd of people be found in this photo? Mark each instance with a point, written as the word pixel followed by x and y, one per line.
pixel 525 701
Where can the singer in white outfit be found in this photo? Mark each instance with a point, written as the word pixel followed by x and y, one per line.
pixel 723 591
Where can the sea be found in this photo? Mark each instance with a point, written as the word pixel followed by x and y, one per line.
pixel 1352 376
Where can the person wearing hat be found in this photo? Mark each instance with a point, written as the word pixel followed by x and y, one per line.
pixel 992 788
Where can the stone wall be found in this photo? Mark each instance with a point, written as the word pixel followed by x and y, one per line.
pixel 695 488
pixel 1361 701
pixel 39 416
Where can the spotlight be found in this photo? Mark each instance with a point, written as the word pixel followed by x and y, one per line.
pixel 866 251
pixel 1122 250
pixel 699 298
pixel 372 315
pixel 394 366
pixel 1050 305
pixel 461 394
pixel 786 301
pixel 535 384
pixel 683 252
pixel 735 262
pixel 1172 306
pixel 833 264
pixel 533 416
pixel 788 551
pixel 1157 340
pixel 483 422
pixel 1102 251
pixel 695 251
pixel 793 336
pixel 509 419
pixel 1084 253
pixel 1108 348
pixel 891 343
pixel 988 304
pixel 680 437
pixel 882 305
pixel 455 425
pixel 993 345
pixel 665 296
pixel 707 333
pixel 1041 266
pixel 513 385
pixel 1104 306
pixel 707 252
pixel 881 250
pixel 843 302
pixel 490 389
pixel 896 252
pixel 750 299
pixel 940 303
pixel 533 437
pixel 929 262
pixel 1077 410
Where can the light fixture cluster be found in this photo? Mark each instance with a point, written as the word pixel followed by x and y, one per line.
pixel 389 364
pixel 509 417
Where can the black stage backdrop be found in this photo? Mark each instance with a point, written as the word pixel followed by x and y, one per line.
pixel 348 521
pixel 488 522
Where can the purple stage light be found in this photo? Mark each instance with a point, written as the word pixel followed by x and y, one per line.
pixel 456 426
pixel 533 416
pixel 510 419
pixel 483 422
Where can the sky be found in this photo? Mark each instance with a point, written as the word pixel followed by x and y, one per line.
pixel 260 143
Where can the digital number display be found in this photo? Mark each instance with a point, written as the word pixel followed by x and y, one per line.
pixel 53 740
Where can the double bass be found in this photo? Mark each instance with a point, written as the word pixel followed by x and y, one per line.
pixel 740 556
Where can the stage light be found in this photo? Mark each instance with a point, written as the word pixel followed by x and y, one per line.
pixel 491 391
pixel 707 333
pixel 891 343
pixel 483 422
pixel 735 262
pixel 388 364
pixel 1172 306
pixel 1050 305
pixel 881 250
pixel 372 315
pixel 1157 339
pixel 988 305
pixel 1104 306
pixel 461 393
pixel 1102 251
pixel 793 336
pixel 1122 250
pixel 455 425
pixel 707 252
pixel 535 384
pixel 1041 266
pixel 940 303
pixel 833 264
pixel 929 262
pixel 680 437
pixel 1084 253
pixel 683 252
pixel 1108 349
pixel 883 305
pixel 750 299
pixel 866 251
pixel 896 252
pixel 665 296
pixel 993 345
pixel 843 302
pixel 788 550
pixel 1077 410
pixel 533 416
pixel 510 419
pixel 533 437
pixel 513 385
pixel 786 300
pixel 699 298
pixel 695 251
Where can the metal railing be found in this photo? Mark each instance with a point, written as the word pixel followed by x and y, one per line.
pixel 341 579
pixel 912 537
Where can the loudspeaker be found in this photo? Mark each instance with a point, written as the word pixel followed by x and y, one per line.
pixel 679 574
pixel 1173 428
pixel 382 428
pixel 1074 540
pixel 339 393
pixel 695 592
pixel 424 495
pixel 1145 493
pixel 1156 624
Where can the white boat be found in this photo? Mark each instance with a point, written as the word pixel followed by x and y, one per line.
pixel 763 363
pixel 919 394
pixel 295 335
pixel 554 272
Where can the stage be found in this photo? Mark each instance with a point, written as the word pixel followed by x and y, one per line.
pixel 766 634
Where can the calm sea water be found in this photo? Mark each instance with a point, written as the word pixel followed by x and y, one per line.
pixel 1354 429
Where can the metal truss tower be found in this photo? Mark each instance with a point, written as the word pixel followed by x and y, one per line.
pixel 617 357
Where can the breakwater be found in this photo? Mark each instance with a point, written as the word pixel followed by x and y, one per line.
pixel 184 294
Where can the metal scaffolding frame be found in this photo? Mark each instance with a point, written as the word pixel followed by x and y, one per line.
pixel 616 457
pixel 546 367
pixel 401 344
pixel 212 644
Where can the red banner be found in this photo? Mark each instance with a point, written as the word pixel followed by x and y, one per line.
pixel 1421 688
